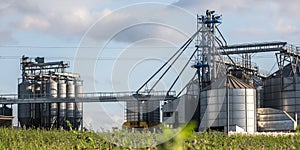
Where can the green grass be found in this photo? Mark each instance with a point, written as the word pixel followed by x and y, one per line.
pixel 55 139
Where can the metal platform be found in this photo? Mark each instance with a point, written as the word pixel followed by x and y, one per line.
pixel 94 97
pixel 285 53
pixel 240 64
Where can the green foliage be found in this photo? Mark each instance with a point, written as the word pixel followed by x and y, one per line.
pixel 186 139
pixel 298 129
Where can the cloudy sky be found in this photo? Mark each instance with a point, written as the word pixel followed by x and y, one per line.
pixel 116 44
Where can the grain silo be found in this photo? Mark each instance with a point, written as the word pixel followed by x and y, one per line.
pixel 282 91
pixel 70 105
pixel 62 93
pixel 48 80
pixel 78 105
pixel 52 93
pixel 24 110
pixel 228 103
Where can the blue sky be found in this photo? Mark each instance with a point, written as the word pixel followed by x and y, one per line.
pixel 144 33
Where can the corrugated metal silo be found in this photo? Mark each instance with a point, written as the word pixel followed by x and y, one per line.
pixel 282 91
pixel 70 106
pixel 52 93
pixel 24 114
pixel 62 93
pixel 223 107
pixel 78 105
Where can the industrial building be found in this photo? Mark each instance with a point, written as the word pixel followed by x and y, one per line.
pixel 225 94
pixel 232 95
pixel 48 80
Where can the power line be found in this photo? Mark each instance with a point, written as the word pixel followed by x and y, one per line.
pixel 87 58
pixel 85 47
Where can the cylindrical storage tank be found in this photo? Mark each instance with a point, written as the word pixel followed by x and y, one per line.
pixel 62 114
pixel 78 105
pixel 53 114
pixel 37 114
pixel 24 114
pixel 243 108
pixel 52 93
pixel 71 106
pixel 62 90
pixel 70 89
pixel 44 89
pixel 283 91
pixel 24 90
pixel 62 93
pixel 70 112
pixel 233 106
pixel 36 109
pixel 259 97
pixel 78 88
pixel 51 88
pixel 45 115
pixel 37 90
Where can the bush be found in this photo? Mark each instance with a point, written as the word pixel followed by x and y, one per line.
pixel 186 139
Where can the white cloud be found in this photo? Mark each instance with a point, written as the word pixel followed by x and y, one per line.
pixel 5 35
pixel 253 19
pixel 138 22
pixel 62 18
pixel 29 22
pixel 283 27
pixel 73 18
pixel 201 5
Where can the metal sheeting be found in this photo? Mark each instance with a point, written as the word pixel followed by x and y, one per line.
pixel 269 119
pixel 219 104
pixel 234 82
pixel 52 92
pixel 148 111
pixel 51 88
pixel 62 93
pixel 283 92
pixel 236 104
pixel 24 91
pixel 179 111
pixel 53 114
pixel 62 114
pixel 62 90
pixel 70 106
pixel 46 115
pixel 78 106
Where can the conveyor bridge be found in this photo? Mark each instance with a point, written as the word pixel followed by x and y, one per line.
pixel 92 97
pixel 282 47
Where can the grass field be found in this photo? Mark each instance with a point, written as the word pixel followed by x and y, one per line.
pixel 55 139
